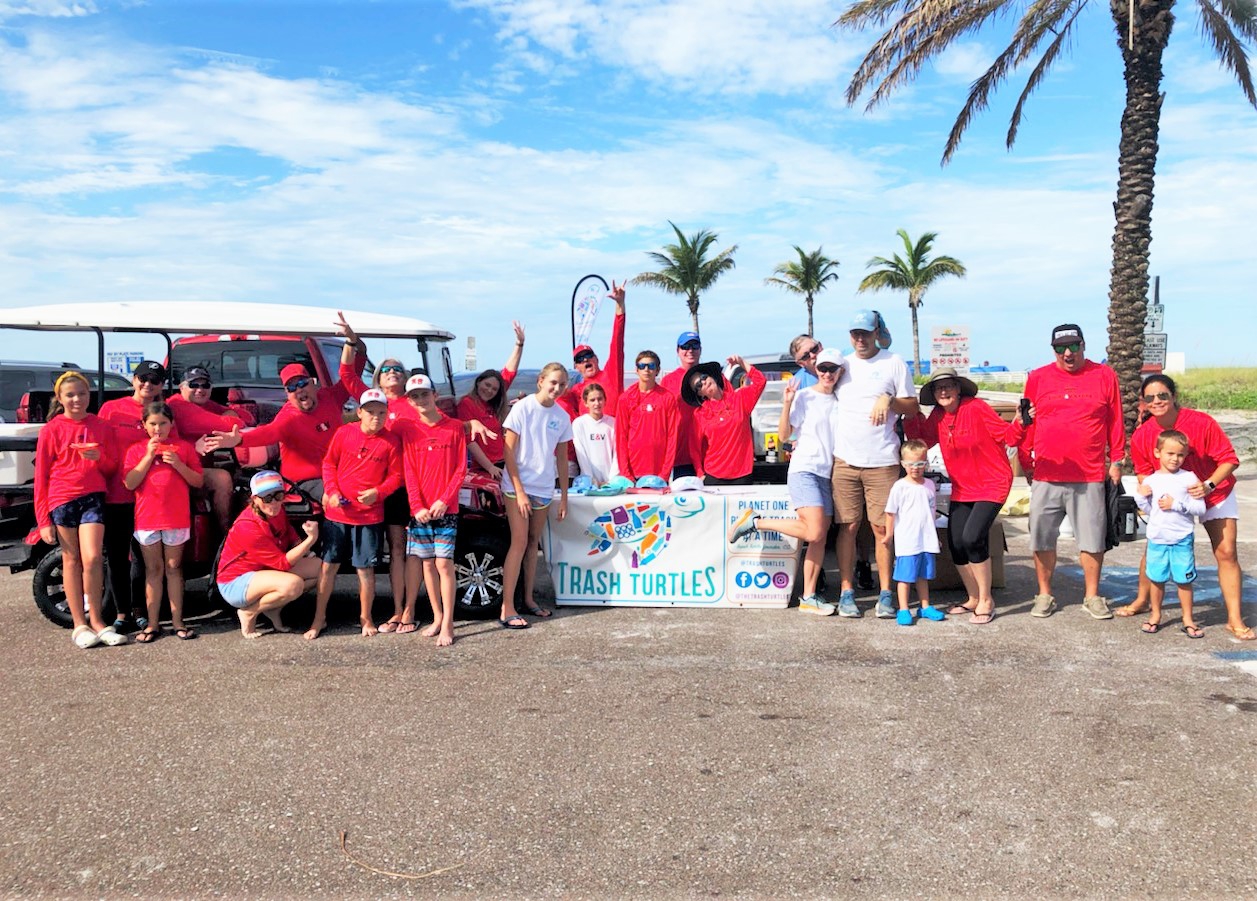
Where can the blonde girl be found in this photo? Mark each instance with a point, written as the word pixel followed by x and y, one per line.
pixel 73 456
pixel 538 433
pixel 161 472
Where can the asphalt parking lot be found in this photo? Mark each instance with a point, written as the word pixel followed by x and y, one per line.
pixel 642 753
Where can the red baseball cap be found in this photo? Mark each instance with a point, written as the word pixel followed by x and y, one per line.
pixel 293 371
pixel 582 349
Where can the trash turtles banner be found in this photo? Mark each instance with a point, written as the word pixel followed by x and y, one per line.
pixel 670 550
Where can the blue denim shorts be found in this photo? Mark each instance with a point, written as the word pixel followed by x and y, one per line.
pixel 807 489
pixel 86 509
pixel 236 592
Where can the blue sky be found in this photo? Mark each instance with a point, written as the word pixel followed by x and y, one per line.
pixel 468 162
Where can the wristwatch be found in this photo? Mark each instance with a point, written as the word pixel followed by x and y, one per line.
pixel 1209 484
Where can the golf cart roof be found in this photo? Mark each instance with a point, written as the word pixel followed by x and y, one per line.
pixel 211 317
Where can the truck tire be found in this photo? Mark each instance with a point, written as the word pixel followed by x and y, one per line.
pixel 47 588
pixel 479 556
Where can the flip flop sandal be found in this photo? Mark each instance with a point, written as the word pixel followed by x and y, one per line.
pixel 1243 633
pixel 390 626
pixel 147 635
pixel 959 610
pixel 1193 631
pixel 536 610
pixel 185 634
pixel 1150 628
pixel 981 619
pixel 407 628
pixel 513 622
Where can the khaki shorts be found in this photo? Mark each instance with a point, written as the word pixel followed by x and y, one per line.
pixel 1086 506
pixel 860 490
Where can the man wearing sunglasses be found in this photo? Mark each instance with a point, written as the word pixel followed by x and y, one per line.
pixel 1079 439
pixel 803 350
pixel 689 349
pixel 588 367
pixel 303 429
pixel 195 417
pixel 646 424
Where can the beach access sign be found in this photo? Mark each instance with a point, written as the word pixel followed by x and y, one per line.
pixel 670 550
pixel 949 346
pixel 123 362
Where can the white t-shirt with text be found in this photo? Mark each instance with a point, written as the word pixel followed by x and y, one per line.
pixel 594 440
pixel 540 430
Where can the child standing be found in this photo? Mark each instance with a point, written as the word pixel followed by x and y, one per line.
pixel 910 514
pixel 1171 523
pixel 537 436
pixel 362 467
pixel 593 436
pixel 160 472
pixel 73 457
pixel 434 460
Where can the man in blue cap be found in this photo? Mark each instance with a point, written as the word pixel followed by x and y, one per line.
pixel 689 349
pixel 875 389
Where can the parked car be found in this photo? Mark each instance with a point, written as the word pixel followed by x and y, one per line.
pixel 18 377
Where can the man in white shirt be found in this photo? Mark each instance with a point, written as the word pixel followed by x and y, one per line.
pixel 874 390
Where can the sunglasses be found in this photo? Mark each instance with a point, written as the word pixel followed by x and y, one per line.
pixel 915 464
pixel 151 379
pixel 272 497
pixel 1160 395
pixel 945 386
pixel 391 368
pixel 296 385
pixel 199 386
pixel 828 368
pixel 584 358
pixel 692 346
pixel 1072 348
pixel 649 367
pixel 808 354
pixel 699 379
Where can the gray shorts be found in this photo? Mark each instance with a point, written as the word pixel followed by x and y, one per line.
pixel 1085 504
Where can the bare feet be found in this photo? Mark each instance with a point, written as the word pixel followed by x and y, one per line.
pixel 1130 609
pixel 431 631
pixel 445 639
pixel 276 623
pixel 369 629
pixel 249 623
pixel 315 630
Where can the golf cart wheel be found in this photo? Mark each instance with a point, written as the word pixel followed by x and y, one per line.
pixel 479 560
pixel 48 590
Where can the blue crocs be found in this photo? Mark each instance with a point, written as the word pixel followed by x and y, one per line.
pixel 933 613
pixel 905 618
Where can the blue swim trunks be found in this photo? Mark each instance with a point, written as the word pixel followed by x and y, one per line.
pixel 1172 562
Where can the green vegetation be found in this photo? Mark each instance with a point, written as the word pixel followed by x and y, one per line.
pixel 685 268
pixel 808 276
pixel 1225 388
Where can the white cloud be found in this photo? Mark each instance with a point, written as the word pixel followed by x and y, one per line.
pixel 54 9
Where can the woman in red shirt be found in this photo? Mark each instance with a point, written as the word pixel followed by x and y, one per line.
pixel 1213 460
pixel 722 445
pixel 262 566
pixel 974 441
pixel 487 402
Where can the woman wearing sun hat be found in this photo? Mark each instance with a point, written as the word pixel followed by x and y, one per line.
pixel 263 565
pixel 722 445
pixel 974 441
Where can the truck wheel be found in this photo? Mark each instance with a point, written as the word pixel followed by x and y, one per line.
pixel 47 588
pixel 478 567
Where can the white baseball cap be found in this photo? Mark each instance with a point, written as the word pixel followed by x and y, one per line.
pixel 373 396
pixel 418 382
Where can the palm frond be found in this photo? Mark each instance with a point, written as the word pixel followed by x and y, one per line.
pixel 1037 75
pixel 1217 30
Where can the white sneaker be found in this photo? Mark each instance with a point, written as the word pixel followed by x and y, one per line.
pixel 813 604
pixel 743 525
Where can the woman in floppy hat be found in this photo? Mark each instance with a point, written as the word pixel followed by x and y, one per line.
pixel 722 445
pixel 974 441
pixel 809 414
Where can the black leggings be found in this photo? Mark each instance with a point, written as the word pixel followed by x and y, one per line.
pixel 968 530
pixel 714 480
pixel 126 563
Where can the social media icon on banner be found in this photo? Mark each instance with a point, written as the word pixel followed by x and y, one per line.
pixel 742 579
pixel 762 579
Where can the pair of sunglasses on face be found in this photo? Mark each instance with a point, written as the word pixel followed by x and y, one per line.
pixel 649 367
pixel 584 358
pixel 297 384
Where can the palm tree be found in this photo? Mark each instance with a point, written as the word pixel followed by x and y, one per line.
pixel 808 276
pixel 924 30
pixel 684 268
pixel 914 274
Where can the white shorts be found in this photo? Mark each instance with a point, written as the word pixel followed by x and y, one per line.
pixel 168 537
pixel 1228 509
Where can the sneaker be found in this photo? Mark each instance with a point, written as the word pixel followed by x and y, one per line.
pixel 885 605
pixel 743 525
pixel 932 613
pixel 905 618
pixel 813 604
pixel 1097 606
pixel 1043 606
pixel 863 575
pixel 846 605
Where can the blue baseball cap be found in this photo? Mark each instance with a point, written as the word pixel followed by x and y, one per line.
pixel 688 338
pixel 265 482
pixel 863 321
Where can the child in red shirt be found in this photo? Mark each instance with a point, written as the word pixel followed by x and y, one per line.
pixel 434 457
pixel 362 467
pixel 160 472
pixel 73 457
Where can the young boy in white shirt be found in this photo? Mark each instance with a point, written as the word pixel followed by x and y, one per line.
pixel 910 514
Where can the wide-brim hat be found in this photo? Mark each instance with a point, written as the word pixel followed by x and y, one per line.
pixel 967 387
pixel 688 394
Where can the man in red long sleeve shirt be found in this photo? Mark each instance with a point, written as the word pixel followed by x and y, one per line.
pixel 363 466
pixel 587 365
pixel 689 349
pixel 1079 439
pixel 197 416
pixel 646 424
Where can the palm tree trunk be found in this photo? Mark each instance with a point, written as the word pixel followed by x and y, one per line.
pixel 1137 160
pixel 810 334
pixel 916 339
pixel 693 304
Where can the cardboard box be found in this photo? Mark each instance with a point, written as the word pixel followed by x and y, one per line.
pixel 946 576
